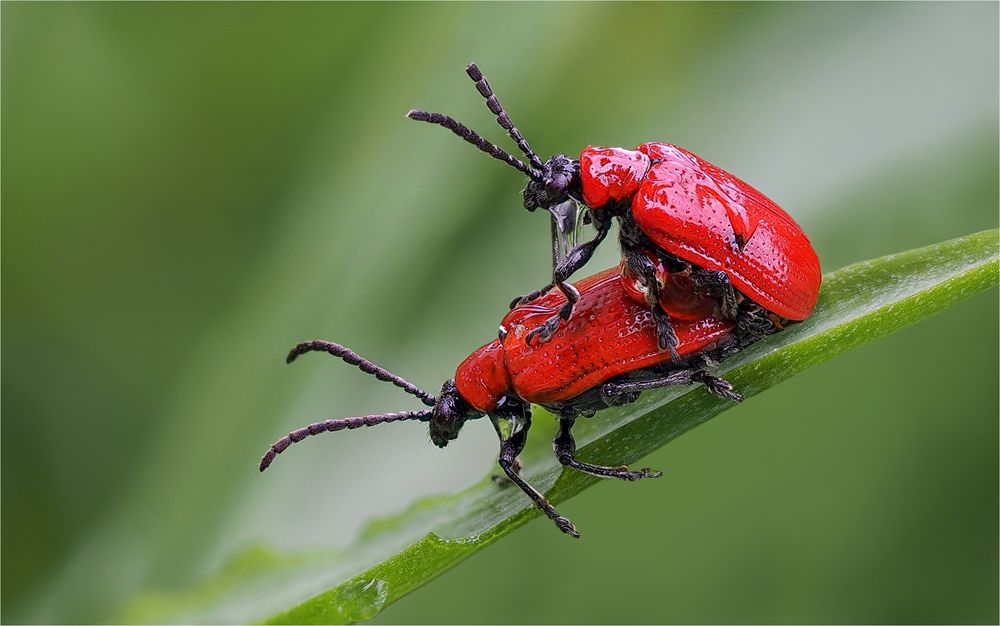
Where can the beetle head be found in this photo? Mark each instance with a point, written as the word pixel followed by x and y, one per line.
pixel 560 181
pixel 449 415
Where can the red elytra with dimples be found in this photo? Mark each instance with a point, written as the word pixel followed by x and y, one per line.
pixel 605 356
pixel 705 215
pixel 680 215
pixel 612 334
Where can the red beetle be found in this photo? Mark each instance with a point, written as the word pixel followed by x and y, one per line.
pixel 603 357
pixel 684 222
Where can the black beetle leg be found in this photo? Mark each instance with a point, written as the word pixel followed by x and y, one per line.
pixel 534 295
pixel 565 449
pixel 544 331
pixel 509 449
pixel 575 259
pixel 718 386
pixel 666 338
pixel 716 284
pixel 714 384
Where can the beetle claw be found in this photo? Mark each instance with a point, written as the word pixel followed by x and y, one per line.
pixel 529 297
pixel 647 472
pixel 566 526
pixel 545 331
pixel 719 386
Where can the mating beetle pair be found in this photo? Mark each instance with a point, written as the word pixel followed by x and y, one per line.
pixel 710 265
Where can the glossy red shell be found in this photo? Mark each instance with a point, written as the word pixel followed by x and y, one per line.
pixel 482 378
pixel 609 334
pixel 704 215
pixel 611 174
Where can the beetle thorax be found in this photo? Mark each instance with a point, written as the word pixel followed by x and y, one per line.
pixel 611 176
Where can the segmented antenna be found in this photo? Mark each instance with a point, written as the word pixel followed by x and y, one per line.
pixel 329 426
pixel 363 364
pixel 468 135
pixel 502 118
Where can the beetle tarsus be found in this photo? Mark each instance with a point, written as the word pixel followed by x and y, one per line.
pixel 545 331
pixel 718 386
pixel 666 337
pixel 566 526
pixel 530 297
pixel 752 324
pixel 716 284
pixel 565 449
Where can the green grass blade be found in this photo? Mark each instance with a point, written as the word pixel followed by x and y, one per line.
pixel 858 304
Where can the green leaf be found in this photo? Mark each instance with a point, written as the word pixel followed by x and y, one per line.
pixel 394 556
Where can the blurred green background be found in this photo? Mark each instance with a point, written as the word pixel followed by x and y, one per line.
pixel 189 189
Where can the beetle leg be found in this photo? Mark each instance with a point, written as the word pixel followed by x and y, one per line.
pixel 502 481
pixel 546 329
pixel 718 386
pixel 753 324
pixel 534 295
pixel 579 255
pixel 643 269
pixel 666 338
pixel 510 447
pixel 576 258
pixel 617 394
pixel 714 384
pixel 565 449
pixel 570 292
pixel 716 284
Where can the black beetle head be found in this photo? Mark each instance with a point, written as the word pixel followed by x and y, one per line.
pixel 559 181
pixel 449 415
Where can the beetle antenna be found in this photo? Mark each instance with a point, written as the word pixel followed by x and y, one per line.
pixel 363 364
pixel 330 426
pixel 470 136
pixel 483 86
